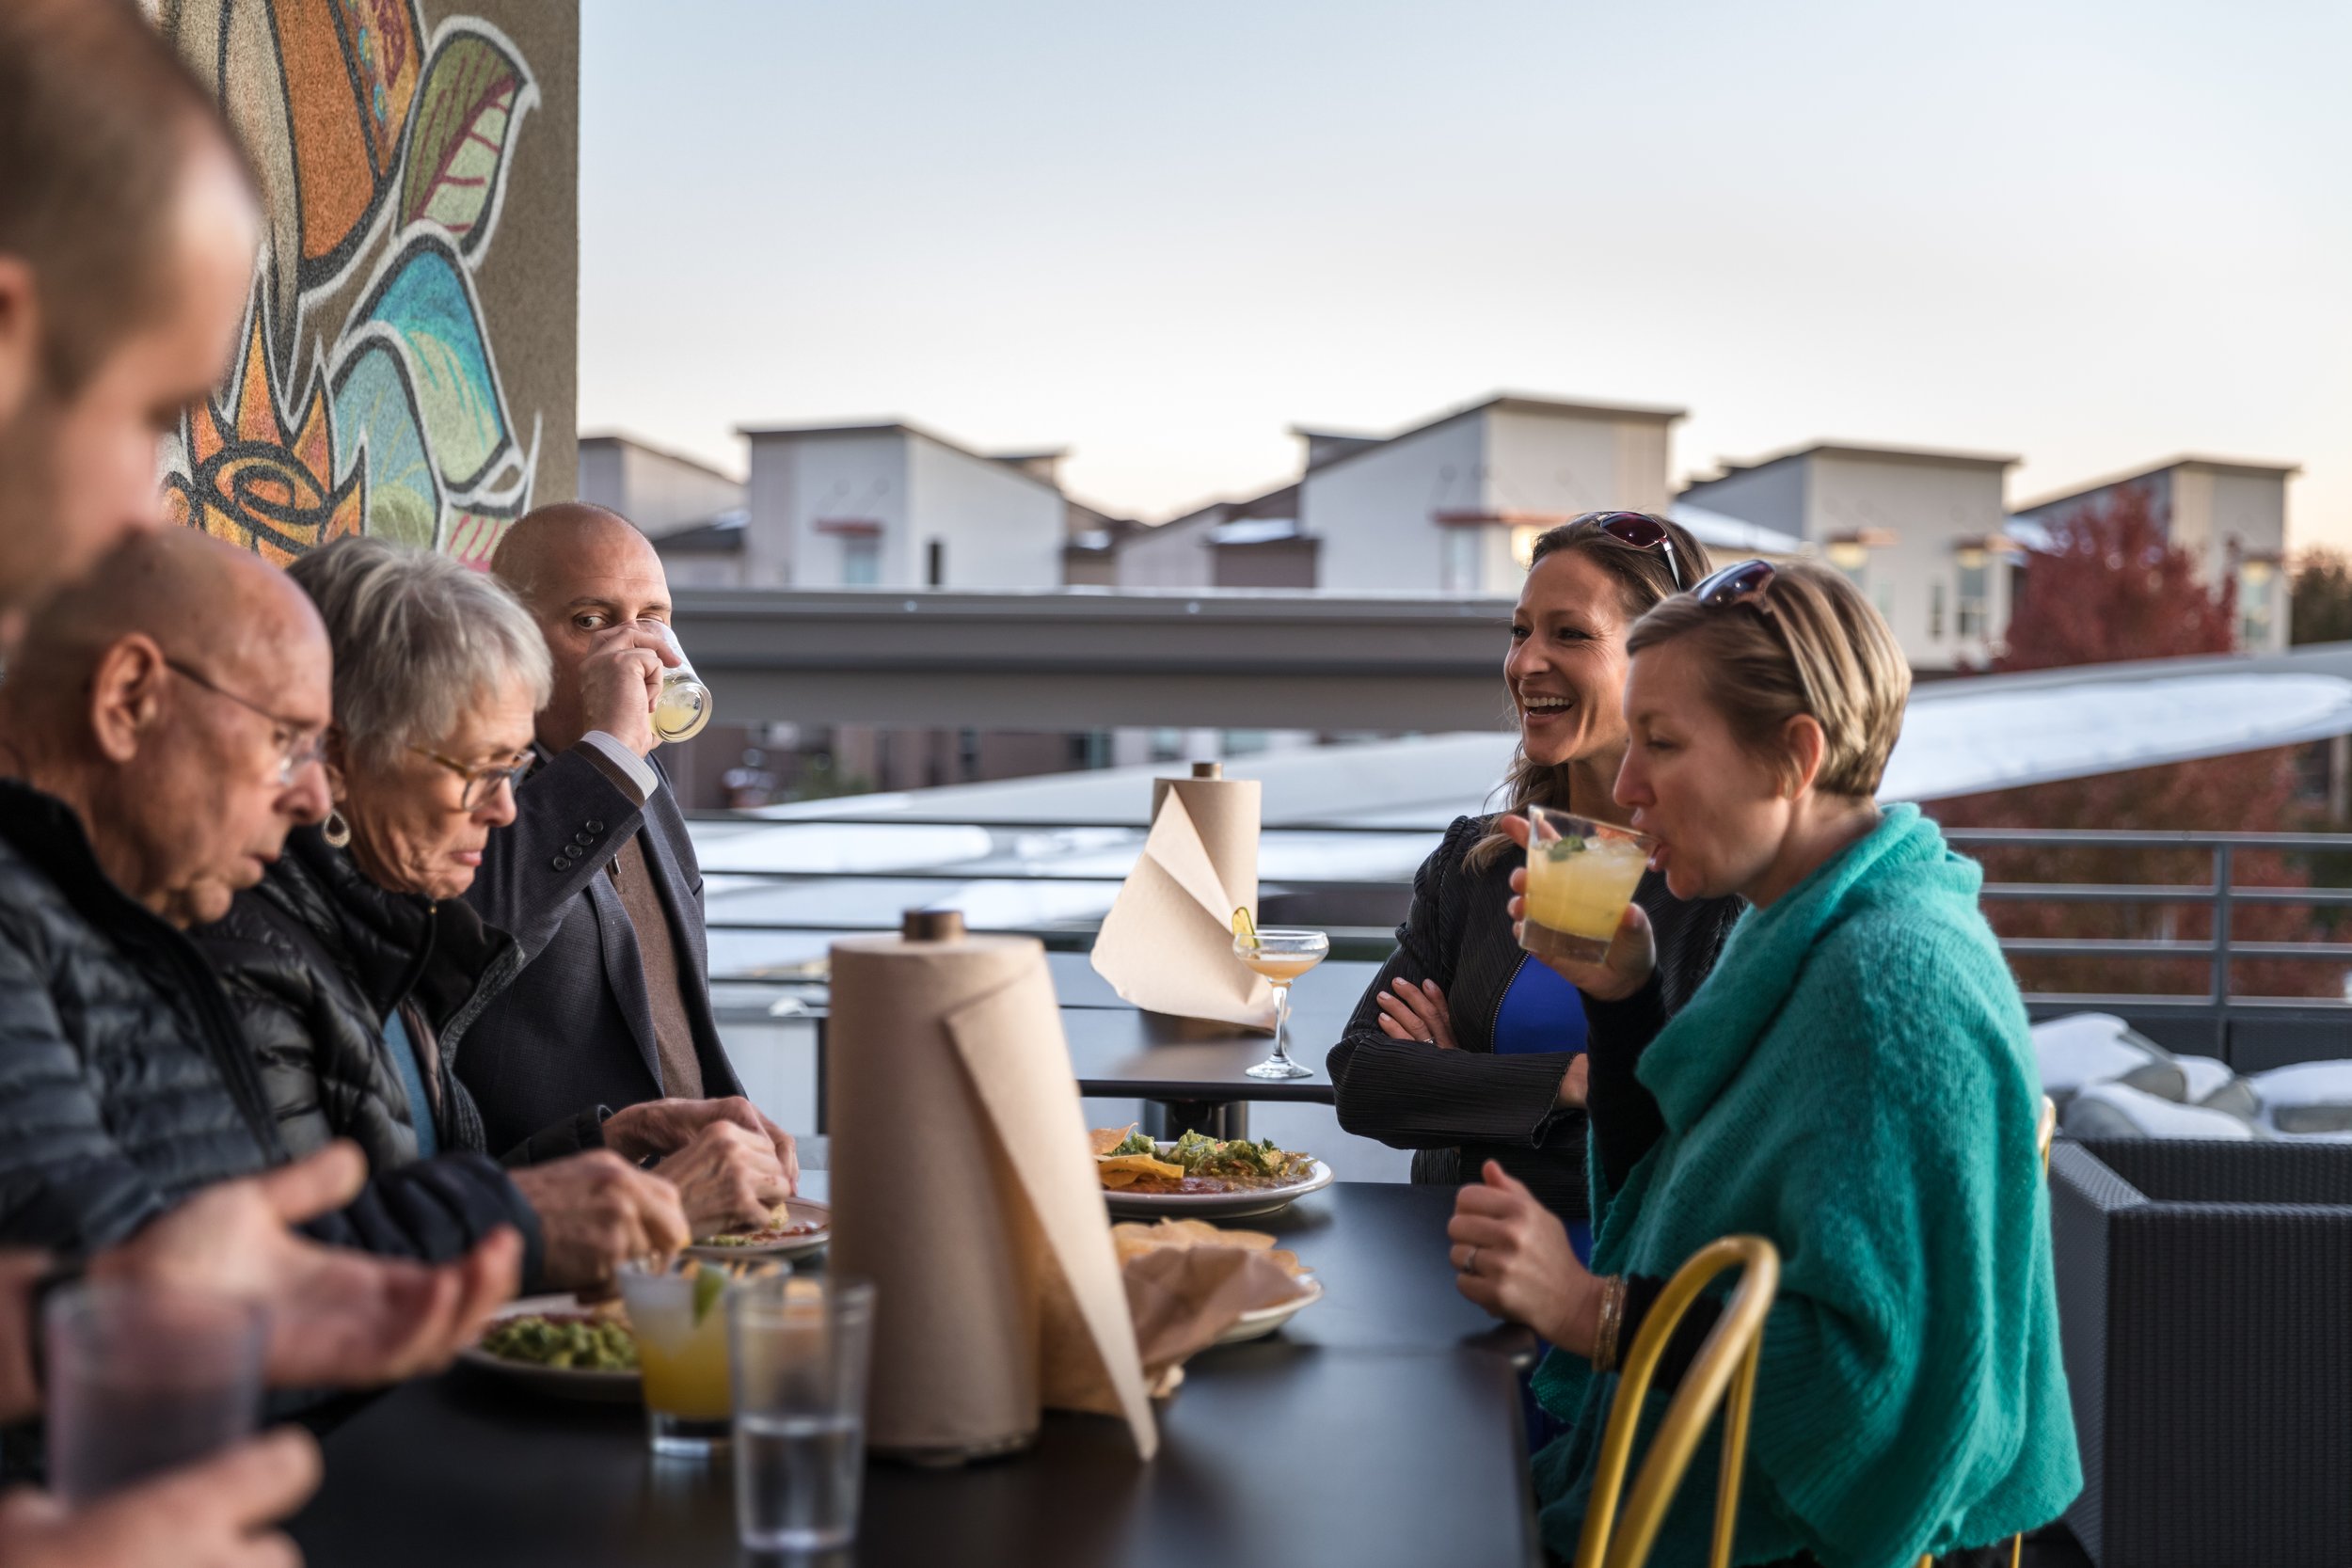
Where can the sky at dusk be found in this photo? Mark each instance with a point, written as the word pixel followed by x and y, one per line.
pixel 2092 234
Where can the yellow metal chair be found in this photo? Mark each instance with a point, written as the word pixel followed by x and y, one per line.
pixel 2044 1133
pixel 1727 1362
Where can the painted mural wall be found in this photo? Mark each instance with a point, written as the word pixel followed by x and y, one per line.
pixel 408 365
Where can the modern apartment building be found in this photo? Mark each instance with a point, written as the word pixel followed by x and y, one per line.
pixel 1919 531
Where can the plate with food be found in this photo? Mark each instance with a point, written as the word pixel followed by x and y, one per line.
pixel 799 1226
pixel 1200 1177
pixel 557 1346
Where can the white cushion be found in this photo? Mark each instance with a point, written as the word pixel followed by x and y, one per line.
pixel 2309 1097
pixel 2119 1111
pixel 2082 1049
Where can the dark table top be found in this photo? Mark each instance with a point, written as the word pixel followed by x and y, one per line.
pixel 1381 1426
pixel 1124 1053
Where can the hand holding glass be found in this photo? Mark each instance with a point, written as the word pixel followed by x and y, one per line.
pixel 1580 875
pixel 1281 954
pixel 684 707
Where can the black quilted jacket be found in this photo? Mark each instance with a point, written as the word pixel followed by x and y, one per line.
pixel 315 959
pixel 1458 1109
pixel 126 1084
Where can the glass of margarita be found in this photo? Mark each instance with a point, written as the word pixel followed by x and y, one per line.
pixel 677 1313
pixel 1580 875
pixel 1281 954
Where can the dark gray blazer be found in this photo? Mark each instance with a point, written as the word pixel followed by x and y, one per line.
pixel 571 1040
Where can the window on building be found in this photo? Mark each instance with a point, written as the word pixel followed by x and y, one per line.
pixel 1975 588
pixel 1245 744
pixel 1167 744
pixel 935 563
pixel 1461 566
pixel 2257 596
pixel 861 561
pixel 1935 610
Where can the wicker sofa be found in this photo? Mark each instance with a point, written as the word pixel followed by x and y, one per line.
pixel 2205 1299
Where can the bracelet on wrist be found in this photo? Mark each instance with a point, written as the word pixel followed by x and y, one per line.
pixel 1611 1323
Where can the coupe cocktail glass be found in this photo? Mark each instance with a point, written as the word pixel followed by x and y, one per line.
pixel 1281 954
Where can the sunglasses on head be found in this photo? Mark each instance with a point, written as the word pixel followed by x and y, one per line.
pixel 1640 530
pixel 1743 582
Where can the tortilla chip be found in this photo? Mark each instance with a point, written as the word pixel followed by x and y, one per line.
pixel 1104 1139
pixel 1137 1165
pixel 1113 1179
pixel 1130 1240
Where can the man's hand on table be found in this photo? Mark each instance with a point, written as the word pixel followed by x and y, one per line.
pixel 653 1128
pixel 728 1178
pixel 212 1515
pixel 337 1317
pixel 596 1211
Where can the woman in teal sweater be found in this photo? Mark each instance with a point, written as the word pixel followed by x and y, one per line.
pixel 1853 1082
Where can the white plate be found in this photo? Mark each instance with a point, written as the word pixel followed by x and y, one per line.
pixel 1214 1206
pixel 564 1382
pixel 799 1247
pixel 1265 1320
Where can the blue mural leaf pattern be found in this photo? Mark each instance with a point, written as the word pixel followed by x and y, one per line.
pixel 425 301
pixel 377 421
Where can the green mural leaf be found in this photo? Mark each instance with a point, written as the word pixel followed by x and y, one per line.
pixel 426 301
pixel 376 422
pixel 475 93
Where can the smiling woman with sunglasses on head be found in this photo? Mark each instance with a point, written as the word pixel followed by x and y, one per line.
pixel 1464 1050
pixel 1853 1083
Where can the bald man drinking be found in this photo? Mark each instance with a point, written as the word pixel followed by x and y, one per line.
pixel 607 1038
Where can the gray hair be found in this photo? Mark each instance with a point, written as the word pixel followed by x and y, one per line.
pixel 418 638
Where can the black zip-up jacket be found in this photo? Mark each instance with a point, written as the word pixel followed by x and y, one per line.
pixel 313 959
pixel 126 1085
pixel 1458 1109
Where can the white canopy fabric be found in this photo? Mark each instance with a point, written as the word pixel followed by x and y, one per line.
pixel 1960 737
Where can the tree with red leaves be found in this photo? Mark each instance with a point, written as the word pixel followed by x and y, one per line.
pixel 2113 587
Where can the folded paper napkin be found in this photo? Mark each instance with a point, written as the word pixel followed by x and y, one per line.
pixel 1167 943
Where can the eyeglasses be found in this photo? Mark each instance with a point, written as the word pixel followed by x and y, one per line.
pixel 1743 582
pixel 1640 530
pixel 300 745
pixel 481 782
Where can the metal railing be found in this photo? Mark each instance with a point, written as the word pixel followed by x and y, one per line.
pixel 2216 1008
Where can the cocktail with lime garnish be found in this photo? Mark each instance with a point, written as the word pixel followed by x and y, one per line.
pixel 1281 954
pixel 677 1315
pixel 1580 875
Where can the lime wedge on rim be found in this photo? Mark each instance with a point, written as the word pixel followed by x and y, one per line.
pixel 1244 927
pixel 709 1285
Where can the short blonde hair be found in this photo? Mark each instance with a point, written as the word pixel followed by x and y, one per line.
pixel 1811 645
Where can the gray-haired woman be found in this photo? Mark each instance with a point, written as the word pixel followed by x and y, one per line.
pixel 357 970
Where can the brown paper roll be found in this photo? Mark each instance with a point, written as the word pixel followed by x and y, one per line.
pixel 1226 813
pixel 961 1186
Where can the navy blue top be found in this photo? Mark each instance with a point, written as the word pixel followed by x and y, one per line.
pixel 1542 1012
pixel 412 1079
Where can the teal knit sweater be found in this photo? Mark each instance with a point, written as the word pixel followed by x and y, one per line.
pixel 1855 1082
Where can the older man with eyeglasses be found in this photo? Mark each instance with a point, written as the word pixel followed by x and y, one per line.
pixel 164 724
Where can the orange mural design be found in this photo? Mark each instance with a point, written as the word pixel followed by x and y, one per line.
pixel 254 484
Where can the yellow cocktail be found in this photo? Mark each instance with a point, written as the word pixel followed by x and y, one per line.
pixel 679 1316
pixel 1281 954
pixel 1580 875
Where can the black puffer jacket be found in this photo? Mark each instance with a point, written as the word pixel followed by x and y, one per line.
pixel 1458 1109
pixel 125 1081
pixel 315 958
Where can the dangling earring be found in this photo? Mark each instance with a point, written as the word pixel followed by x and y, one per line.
pixel 335 830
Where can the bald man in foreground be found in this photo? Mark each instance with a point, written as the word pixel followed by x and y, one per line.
pixel 606 1039
pixel 161 732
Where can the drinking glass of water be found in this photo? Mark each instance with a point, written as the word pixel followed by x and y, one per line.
pixel 800 1348
pixel 143 1381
